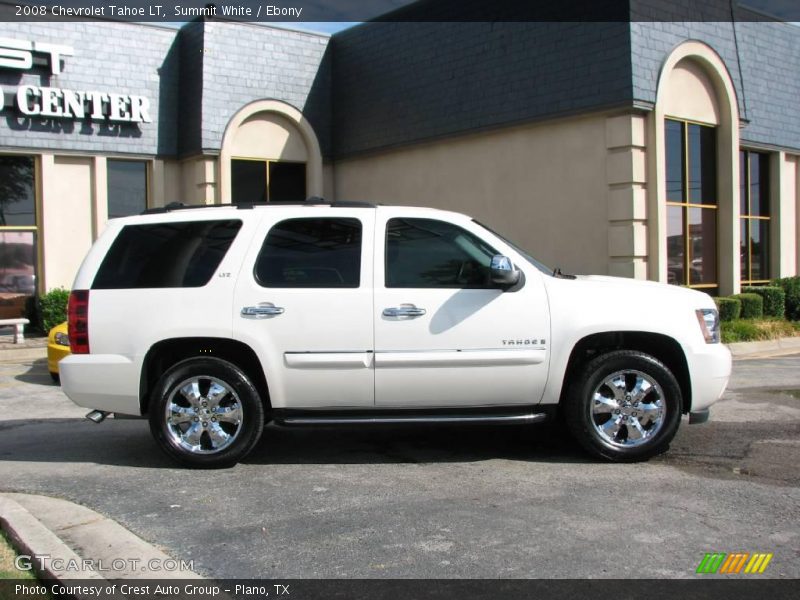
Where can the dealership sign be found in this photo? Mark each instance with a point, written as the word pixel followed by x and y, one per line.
pixel 58 103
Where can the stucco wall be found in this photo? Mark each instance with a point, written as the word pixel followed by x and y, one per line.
pixel 543 186
pixel 67 217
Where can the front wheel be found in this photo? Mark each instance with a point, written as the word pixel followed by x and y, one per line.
pixel 206 413
pixel 624 406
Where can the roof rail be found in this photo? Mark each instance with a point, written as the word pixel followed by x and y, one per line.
pixel 311 201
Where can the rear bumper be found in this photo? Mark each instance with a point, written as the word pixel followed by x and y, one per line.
pixel 710 370
pixel 107 382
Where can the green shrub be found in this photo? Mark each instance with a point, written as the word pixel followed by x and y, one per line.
pixel 774 299
pixel 739 331
pixel 729 308
pixel 53 308
pixel 791 286
pixel 752 306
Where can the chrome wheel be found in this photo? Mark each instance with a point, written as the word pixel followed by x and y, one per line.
pixel 203 415
pixel 627 409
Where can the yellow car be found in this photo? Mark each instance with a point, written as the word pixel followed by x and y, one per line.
pixel 57 348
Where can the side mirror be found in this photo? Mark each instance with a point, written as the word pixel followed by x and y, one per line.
pixel 503 272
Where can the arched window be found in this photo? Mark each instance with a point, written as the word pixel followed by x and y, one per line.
pixel 695 195
pixel 270 153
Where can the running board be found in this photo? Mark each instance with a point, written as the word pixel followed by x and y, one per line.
pixel 510 419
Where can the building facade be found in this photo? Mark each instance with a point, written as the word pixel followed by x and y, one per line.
pixel 652 149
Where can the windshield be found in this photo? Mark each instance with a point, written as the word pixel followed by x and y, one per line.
pixel 542 267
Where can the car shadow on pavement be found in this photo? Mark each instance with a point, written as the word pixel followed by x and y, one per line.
pixel 415 444
pixel 765 452
pixel 127 442
pixel 37 373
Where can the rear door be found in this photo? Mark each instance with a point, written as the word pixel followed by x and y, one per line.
pixel 304 303
pixel 444 335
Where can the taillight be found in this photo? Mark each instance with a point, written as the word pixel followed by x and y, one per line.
pixel 78 321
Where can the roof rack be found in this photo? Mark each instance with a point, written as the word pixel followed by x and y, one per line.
pixel 311 201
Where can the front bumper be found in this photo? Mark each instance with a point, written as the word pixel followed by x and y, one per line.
pixel 106 382
pixel 697 417
pixel 709 370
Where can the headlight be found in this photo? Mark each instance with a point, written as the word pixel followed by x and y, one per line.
pixel 709 324
pixel 61 339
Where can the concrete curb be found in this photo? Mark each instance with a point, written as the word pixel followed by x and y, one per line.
pixel 32 538
pixel 82 543
pixel 16 355
pixel 765 349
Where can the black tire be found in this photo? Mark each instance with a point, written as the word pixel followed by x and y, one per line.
pixel 608 438
pixel 55 377
pixel 209 416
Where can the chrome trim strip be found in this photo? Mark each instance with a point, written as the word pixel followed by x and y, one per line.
pixel 396 420
pixel 328 360
pixel 461 358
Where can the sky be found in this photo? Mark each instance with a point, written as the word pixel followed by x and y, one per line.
pixel 325 27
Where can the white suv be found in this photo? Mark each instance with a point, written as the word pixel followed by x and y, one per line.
pixel 214 321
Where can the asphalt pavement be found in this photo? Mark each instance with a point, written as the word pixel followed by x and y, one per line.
pixel 431 502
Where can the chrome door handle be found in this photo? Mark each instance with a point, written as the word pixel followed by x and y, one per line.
pixel 404 310
pixel 262 311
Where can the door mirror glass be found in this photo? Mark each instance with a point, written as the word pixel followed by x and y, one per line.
pixel 503 272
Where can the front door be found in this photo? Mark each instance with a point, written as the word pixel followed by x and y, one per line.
pixel 445 336
pixel 306 308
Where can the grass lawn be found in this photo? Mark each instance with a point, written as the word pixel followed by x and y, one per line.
pixel 7 556
pixel 748 330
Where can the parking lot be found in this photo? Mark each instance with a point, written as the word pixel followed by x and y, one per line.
pixel 493 502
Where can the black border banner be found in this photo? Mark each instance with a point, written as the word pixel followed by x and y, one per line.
pixel 298 11
pixel 738 588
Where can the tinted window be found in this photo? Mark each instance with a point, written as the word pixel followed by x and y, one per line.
pixel 127 187
pixel 287 182
pixel 17 204
pixel 254 181
pixel 248 181
pixel 702 164
pixel 311 253
pixel 166 255
pixel 425 253
pixel 675 154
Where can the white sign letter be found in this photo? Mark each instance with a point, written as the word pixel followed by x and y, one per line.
pixel 23 92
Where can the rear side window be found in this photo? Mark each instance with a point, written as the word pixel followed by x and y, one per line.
pixel 166 255
pixel 311 253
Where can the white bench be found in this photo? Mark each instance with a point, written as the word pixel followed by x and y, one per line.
pixel 19 328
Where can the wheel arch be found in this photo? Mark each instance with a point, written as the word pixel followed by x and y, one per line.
pixel 662 347
pixel 166 353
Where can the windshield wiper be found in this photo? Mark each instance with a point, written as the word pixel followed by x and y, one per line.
pixel 559 275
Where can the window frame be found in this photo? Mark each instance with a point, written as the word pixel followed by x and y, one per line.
pixel 36 228
pixel 687 205
pixel 148 181
pixel 267 162
pixel 98 282
pixel 746 219
pixel 488 286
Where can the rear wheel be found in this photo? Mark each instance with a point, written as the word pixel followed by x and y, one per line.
pixel 206 413
pixel 624 406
